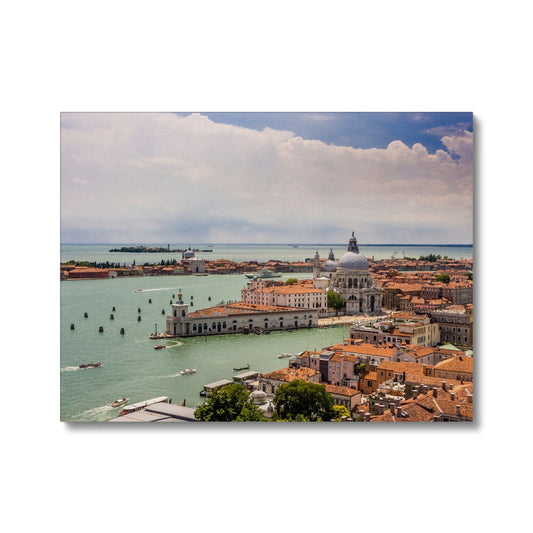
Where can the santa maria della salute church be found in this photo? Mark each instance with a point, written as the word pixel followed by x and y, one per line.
pixel 350 278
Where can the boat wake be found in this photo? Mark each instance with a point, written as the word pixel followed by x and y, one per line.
pixel 152 290
pixel 181 373
pixel 70 368
pixel 94 414
pixel 175 345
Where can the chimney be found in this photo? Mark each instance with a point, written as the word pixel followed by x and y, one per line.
pixel 458 410
pixel 435 389
pixel 367 417
pixel 452 396
pixel 415 393
pixel 469 398
pixel 398 411
pixel 443 383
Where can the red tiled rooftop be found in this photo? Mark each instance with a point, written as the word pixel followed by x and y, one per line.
pixel 240 308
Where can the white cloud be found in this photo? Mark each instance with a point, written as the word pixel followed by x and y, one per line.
pixel 162 177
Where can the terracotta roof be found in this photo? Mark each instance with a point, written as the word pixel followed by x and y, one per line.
pixel 414 412
pixel 426 407
pixel 290 289
pixel 364 349
pixel 291 374
pixel 456 364
pixel 240 308
pixel 348 357
pixel 422 379
pixel 342 391
pixel 402 366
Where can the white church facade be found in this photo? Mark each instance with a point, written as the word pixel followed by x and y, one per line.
pixel 351 279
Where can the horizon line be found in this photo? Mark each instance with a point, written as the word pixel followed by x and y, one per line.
pixel 263 244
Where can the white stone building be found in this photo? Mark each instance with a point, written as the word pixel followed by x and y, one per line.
pixel 236 317
pixel 298 295
pixel 350 278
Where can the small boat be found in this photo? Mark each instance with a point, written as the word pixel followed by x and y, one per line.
pixel 203 393
pixel 188 371
pixel 264 273
pixel 91 365
pixel 242 367
pixel 283 355
pixel 118 403
pixel 159 346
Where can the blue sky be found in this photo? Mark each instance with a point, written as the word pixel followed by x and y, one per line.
pixel 266 177
pixel 359 130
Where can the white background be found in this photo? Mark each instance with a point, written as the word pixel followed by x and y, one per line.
pixel 271 56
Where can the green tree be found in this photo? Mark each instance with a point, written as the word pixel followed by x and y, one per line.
pixel 291 281
pixel 340 411
pixel 303 401
pixel 444 278
pixel 335 301
pixel 228 404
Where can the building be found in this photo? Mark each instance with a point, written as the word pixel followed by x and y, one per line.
pixel 301 295
pixel 458 367
pixel 196 266
pixel 444 404
pixel 272 381
pixel 351 279
pixel 458 293
pixel 398 329
pixel 393 293
pixel 88 273
pixel 236 317
pixel 455 324
pixel 346 396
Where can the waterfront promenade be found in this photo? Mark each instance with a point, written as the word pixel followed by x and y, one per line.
pixel 348 320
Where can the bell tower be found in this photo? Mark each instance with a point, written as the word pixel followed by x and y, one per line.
pixel 316 266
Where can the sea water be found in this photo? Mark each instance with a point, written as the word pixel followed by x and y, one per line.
pixel 131 367
pixel 256 252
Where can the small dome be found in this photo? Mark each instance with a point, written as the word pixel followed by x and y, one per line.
pixel 329 266
pixel 352 261
pixel 258 394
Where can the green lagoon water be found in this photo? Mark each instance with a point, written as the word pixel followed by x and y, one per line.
pixel 131 367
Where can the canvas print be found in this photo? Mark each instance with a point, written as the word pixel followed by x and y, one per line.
pixel 267 267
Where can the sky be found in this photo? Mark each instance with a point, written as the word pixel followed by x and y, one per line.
pixel 267 177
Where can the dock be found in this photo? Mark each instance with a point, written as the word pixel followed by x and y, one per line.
pixel 158 412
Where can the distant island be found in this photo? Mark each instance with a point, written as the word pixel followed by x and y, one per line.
pixel 152 249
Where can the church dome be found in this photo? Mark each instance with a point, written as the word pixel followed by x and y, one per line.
pixel 329 266
pixel 352 259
